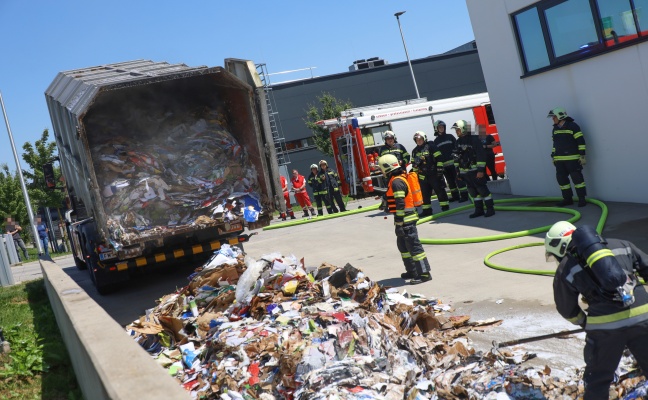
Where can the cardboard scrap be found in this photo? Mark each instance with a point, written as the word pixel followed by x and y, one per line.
pixel 333 333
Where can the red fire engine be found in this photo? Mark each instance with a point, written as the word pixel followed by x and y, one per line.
pixel 357 135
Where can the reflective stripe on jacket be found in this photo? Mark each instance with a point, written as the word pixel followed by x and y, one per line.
pixel 397 150
pixel 426 158
pixel 603 313
pixel 400 201
pixel 447 144
pixel 471 154
pixel 568 141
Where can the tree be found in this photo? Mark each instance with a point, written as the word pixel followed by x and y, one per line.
pixel 37 155
pixel 330 107
pixel 12 201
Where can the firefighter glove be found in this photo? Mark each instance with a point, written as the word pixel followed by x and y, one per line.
pixel 582 160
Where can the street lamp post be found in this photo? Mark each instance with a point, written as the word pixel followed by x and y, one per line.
pixel 22 180
pixel 398 14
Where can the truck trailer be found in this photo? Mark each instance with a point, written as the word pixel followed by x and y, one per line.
pixel 162 162
pixel 358 134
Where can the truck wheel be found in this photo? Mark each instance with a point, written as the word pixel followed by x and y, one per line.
pixel 79 264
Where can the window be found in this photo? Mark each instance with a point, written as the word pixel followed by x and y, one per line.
pixel 571 27
pixel 531 39
pixel 617 22
pixel 551 33
pixel 300 144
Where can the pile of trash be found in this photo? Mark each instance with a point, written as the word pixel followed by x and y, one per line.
pixel 274 329
pixel 188 167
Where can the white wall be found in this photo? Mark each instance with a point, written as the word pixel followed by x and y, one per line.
pixel 606 95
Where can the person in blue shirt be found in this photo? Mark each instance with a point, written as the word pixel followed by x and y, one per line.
pixel 43 235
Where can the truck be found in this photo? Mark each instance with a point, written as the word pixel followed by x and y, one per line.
pixel 358 134
pixel 162 162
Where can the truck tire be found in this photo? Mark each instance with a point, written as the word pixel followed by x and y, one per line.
pixel 79 264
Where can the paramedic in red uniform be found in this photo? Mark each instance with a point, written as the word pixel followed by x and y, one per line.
pixel 301 195
pixel 286 195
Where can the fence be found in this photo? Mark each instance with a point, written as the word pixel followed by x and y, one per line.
pixel 8 256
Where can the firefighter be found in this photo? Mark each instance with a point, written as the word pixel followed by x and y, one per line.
pixel 568 155
pixel 393 147
pixel 488 143
pixel 301 195
pixel 610 325
pixel 286 195
pixel 400 203
pixel 319 191
pixel 447 144
pixel 426 162
pixel 331 181
pixel 470 162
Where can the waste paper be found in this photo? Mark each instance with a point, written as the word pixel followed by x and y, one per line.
pixel 274 328
pixel 193 171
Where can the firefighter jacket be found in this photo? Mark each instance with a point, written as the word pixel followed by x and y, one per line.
pixel 318 187
pixel 447 144
pixel 470 154
pixel 398 150
pixel 329 179
pixel 573 278
pixel 400 201
pixel 568 141
pixel 426 160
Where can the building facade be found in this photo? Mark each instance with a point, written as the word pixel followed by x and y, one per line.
pixel 588 56
pixel 455 73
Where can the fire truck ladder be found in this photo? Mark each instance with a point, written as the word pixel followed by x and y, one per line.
pixel 350 146
pixel 275 124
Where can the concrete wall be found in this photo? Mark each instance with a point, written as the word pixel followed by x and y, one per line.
pixel 606 95
pixel 107 362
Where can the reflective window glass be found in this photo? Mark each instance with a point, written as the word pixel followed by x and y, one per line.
pixel 571 27
pixel 532 40
pixel 641 7
pixel 617 21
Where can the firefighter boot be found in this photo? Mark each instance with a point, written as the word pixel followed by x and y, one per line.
pixel 565 202
pixel 490 208
pixel 292 214
pixel 408 275
pixel 283 216
pixel 463 196
pixel 479 209
pixel 582 202
pixel 427 211
pixel 306 213
pixel 312 212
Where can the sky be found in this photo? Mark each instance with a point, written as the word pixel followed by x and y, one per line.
pixel 39 38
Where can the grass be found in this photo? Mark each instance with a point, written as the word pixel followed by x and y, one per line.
pixel 38 366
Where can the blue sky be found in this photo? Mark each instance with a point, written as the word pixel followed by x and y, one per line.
pixel 39 38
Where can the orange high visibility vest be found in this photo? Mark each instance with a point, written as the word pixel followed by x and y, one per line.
pixel 409 198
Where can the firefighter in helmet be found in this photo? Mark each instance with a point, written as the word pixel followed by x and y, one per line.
pixel 568 156
pixel 331 181
pixel 447 144
pixel 426 162
pixel 610 323
pixel 470 162
pixel 392 146
pixel 320 191
pixel 400 202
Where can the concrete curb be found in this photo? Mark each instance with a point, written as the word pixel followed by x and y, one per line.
pixel 108 364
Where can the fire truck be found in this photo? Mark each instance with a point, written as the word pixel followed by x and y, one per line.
pixel 358 134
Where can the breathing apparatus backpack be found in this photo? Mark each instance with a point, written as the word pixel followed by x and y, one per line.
pixel 614 281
